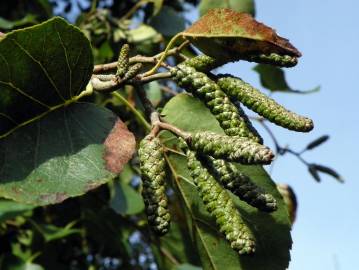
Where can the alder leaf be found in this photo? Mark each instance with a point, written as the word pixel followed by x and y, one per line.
pixel 273 79
pixel 226 34
pixel 272 231
pixel 51 146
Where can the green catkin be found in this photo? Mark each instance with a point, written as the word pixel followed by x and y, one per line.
pixel 273 59
pixel 267 107
pixel 132 71
pixel 240 184
pixel 152 165
pixel 123 61
pixel 220 205
pixel 203 63
pixel 230 148
pixel 216 100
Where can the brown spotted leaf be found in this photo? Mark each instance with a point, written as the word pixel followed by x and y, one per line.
pixel 63 155
pixel 51 147
pixel 224 33
pixel 120 146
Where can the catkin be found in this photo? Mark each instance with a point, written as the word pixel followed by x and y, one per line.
pixel 220 205
pixel 216 100
pixel 267 107
pixel 152 165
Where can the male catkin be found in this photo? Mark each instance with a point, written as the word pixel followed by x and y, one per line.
pixel 240 184
pixel 152 165
pixel 220 205
pixel 216 100
pixel 230 148
pixel 267 107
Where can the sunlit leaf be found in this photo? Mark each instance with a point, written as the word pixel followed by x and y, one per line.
pixel 224 33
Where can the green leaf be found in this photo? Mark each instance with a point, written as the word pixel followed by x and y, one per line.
pixel 63 155
pixel 51 147
pixel 272 231
pixel 42 68
pixel 247 6
pixel 273 79
pixel 157 6
pixel 126 200
pixel 229 35
pixel 51 232
pixel 10 209
pixel 154 93
pixel 168 22
pixel 187 266
pixel 8 25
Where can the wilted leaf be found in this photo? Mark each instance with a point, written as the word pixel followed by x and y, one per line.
pixel 247 6
pixel 225 34
pixel 273 78
pixel 317 142
pixel 271 230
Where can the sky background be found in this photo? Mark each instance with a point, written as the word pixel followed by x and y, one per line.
pixel 326 232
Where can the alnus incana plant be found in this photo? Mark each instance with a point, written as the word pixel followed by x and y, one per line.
pixel 212 157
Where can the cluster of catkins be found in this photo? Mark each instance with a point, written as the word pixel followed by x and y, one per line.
pixel 211 156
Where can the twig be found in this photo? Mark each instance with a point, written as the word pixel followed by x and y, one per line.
pixel 168 90
pixel 177 131
pixel 140 59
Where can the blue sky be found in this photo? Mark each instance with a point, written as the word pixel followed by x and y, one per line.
pixel 326 233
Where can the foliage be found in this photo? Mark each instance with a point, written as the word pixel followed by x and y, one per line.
pixel 77 100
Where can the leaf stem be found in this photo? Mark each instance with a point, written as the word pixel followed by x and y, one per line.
pixel 134 9
pixel 164 55
pixel 138 115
